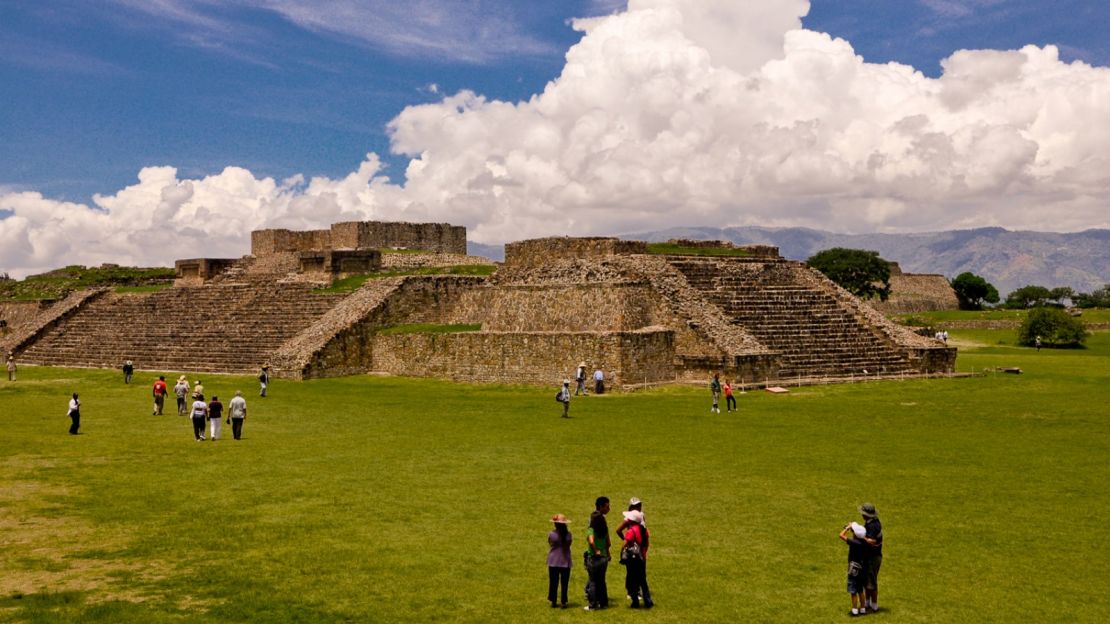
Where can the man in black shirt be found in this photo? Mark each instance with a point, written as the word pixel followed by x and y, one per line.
pixel 874 539
pixel 597 556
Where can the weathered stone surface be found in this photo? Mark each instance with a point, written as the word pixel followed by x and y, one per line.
pixel 916 292
pixel 47 319
pixel 434 237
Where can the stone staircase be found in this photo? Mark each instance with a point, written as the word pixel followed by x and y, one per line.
pixel 815 333
pixel 226 329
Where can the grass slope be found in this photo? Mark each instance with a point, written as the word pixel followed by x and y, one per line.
pixel 369 499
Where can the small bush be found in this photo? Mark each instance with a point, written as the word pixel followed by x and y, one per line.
pixel 1055 327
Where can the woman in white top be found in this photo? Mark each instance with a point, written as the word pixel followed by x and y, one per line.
pixel 199 414
pixel 74 414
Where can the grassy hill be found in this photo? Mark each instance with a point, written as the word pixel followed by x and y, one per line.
pixel 59 282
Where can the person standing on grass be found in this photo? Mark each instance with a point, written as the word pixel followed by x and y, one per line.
pixel 181 391
pixel 215 414
pixel 853 534
pixel 558 559
pixel 1037 342
pixel 634 557
pixel 128 371
pixel 198 390
pixel 199 414
pixel 11 367
pixel 715 388
pixel 264 380
pixel 237 410
pixel 599 381
pixel 874 537
pixel 580 380
pixel 597 556
pixel 74 414
pixel 730 401
pixel 159 391
pixel 564 398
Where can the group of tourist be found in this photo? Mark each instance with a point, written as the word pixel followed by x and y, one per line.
pixel 563 396
pixel 716 388
pixel 634 537
pixel 865 557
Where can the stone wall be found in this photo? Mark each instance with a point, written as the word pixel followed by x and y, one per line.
pixel 541 251
pixel 556 307
pixel 48 318
pixel 395 261
pixel 336 263
pixel 435 237
pixel 196 271
pixel 912 292
pixel 17 314
pixel 266 242
pixel 546 358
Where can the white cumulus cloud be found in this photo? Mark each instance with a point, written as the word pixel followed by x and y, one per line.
pixel 668 113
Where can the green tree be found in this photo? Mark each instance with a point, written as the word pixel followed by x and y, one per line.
pixel 1061 293
pixel 862 273
pixel 1055 327
pixel 1028 297
pixel 973 291
pixel 1096 299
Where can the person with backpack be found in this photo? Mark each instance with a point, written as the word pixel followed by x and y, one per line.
pixel 563 396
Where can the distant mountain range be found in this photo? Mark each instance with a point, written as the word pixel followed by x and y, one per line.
pixel 1007 259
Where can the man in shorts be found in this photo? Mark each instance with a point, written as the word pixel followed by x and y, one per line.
pixel 853 535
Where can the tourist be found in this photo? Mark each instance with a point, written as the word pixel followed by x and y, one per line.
pixel 198 390
pixel 599 381
pixel 853 534
pixel 564 398
pixel 634 504
pixel 874 539
pixel 558 560
pixel 597 556
pixel 128 371
pixel 199 414
pixel 237 410
pixel 730 401
pixel 715 388
pixel 181 390
pixel 634 558
pixel 215 414
pixel 580 379
pixel 11 367
pixel 264 379
pixel 944 336
pixel 74 414
pixel 159 393
pixel 1037 342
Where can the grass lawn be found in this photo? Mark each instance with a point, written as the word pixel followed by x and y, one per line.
pixel 371 499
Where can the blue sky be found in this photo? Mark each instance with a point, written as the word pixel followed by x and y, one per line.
pixel 94 91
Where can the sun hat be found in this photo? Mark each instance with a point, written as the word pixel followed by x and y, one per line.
pixel 566 382
pixel 867 510
pixel 582 364
pixel 858 530
pixel 635 501
pixel 183 378
pixel 635 515
pixel 560 519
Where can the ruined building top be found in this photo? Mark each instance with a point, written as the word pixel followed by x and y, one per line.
pixel 432 237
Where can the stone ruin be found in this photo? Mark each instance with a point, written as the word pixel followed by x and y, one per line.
pixel 641 316
pixel 917 292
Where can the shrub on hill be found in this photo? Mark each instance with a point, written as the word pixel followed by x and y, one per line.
pixel 860 272
pixel 1055 327
pixel 973 291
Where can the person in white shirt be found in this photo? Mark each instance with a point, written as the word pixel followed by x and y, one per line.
pixel 237 412
pixel 200 415
pixel 74 414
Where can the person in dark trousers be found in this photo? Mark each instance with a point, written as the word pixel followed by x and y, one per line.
pixel 874 539
pixel 74 415
pixel 634 557
pixel 599 381
pixel 564 398
pixel 580 380
pixel 597 556
pixel 730 401
pixel 853 534
pixel 199 413
pixel 264 380
pixel 237 412
pixel 558 560
pixel 128 371
pixel 159 391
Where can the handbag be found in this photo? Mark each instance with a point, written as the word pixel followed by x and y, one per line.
pixel 631 553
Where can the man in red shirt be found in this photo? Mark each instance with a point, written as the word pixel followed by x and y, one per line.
pixel 159 395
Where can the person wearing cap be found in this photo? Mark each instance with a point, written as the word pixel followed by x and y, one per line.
pixel 558 559
pixel 634 557
pixel 874 537
pixel 580 378
pixel 564 398
pixel 159 391
pixel 181 391
pixel 237 411
pixel 597 556
pixel 853 534
pixel 128 371
pixel 264 379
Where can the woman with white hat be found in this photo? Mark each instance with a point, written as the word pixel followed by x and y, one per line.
pixel 634 556
pixel 558 559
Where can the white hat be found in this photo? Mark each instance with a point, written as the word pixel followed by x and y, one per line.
pixel 566 382
pixel 858 530
pixel 635 501
pixel 634 516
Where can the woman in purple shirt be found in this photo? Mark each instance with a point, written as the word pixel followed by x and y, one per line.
pixel 558 559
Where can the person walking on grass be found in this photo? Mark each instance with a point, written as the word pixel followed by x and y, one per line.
pixel 128 371
pixel 558 560
pixel 199 413
pixel 181 391
pixel 215 414
pixel 634 557
pixel 159 391
pixel 11 367
pixel 264 380
pixel 198 390
pixel 237 410
pixel 564 398
pixel 599 381
pixel 74 414
pixel 597 556
pixel 730 401
pixel 853 534
pixel 715 388
pixel 873 535
pixel 580 380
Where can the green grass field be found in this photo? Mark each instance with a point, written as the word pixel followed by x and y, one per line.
pixel 371 499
